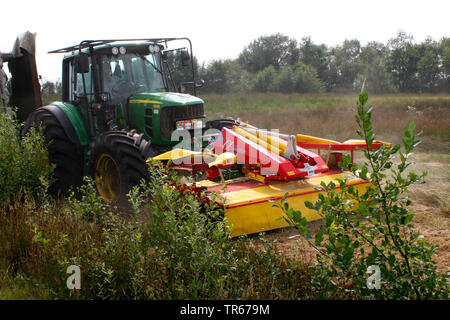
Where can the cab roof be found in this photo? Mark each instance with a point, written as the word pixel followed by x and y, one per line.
pixel 95 45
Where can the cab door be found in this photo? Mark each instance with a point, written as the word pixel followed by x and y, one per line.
pixel 79 90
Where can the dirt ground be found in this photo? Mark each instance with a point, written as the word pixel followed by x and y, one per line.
pixel 430 204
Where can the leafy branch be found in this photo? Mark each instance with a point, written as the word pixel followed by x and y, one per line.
pixel 371 225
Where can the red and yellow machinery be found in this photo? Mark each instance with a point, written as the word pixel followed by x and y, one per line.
pixel 270 165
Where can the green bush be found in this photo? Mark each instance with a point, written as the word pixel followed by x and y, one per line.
pixel 298 78
pixel 195 257
pixel 372 228
pixel 24 166
pixel 171 246
pixel 305 79
pixel 284 81
pixel 263 80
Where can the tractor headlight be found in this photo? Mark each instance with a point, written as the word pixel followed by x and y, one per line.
pixel 153 48
pixel 189 124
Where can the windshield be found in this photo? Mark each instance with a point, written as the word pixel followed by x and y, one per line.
pixel 129 73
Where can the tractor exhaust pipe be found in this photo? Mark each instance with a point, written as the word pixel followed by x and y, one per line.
pixel 25 88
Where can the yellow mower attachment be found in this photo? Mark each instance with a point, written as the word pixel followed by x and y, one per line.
pixel 271 166
pixel 249 204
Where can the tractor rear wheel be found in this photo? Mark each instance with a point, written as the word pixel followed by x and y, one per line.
pixel 117 163
pixel 66 155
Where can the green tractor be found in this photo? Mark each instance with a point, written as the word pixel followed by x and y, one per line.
pixel 120 105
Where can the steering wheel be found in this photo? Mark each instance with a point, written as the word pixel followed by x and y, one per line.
pixel 121 87
pixel 140 88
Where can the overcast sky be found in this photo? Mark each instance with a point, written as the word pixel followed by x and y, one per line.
pixel 218 29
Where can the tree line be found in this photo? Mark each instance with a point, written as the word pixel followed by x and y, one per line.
pixel 277 63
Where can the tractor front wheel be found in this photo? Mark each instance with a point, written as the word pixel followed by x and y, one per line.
pixel 117 163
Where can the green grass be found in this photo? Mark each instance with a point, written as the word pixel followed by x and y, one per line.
pixel 19 288
pixel 233 102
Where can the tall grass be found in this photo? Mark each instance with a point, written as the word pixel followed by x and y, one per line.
pixel 167 249
pixel 332 115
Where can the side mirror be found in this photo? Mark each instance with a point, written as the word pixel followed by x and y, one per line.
pixel 82 63
pixel 185 58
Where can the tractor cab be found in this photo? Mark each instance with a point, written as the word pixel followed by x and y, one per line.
pixel 132 72
pixel 121 71
pixel 124 84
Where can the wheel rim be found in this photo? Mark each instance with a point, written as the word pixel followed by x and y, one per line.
pixel 107 178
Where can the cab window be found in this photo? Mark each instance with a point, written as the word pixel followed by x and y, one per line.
pixel 80 87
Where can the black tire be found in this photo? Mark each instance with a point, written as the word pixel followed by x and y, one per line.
pixel 117 163
pixel 66 155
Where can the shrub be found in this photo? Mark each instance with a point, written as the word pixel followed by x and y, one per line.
pixel 195 257
pixel 372 228
pixel 306 79
pixel 299 78
pixel 24 166
pixel 284 81
pixel 172 246
pixel 263 80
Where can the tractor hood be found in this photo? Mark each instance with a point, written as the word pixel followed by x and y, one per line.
pixel 165 98
pixel 156 114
